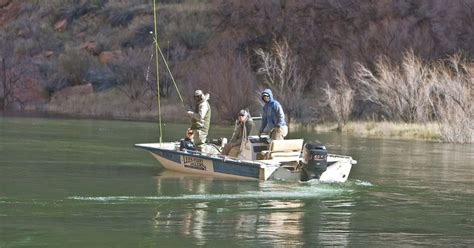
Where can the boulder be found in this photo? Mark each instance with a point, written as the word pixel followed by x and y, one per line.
pixel 60 25
pixel 48 54
pixel 9 9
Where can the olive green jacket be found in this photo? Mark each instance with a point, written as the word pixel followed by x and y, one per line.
pixel 201 118
pixel 239 131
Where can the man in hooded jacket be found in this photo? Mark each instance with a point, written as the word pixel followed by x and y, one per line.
pixel 273 117
pixel 200 117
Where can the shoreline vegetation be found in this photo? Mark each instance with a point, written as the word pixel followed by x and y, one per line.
pixel 383 129
pixel 400 69
pixel 364 129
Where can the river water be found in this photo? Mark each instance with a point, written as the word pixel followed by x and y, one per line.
pixel 81 183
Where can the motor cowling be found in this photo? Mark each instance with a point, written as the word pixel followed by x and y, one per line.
pixel 314 161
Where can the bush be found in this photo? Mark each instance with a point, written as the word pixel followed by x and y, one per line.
pixel 452 99
pixel 76 9
pixel 340 97
pixel 194 39
pixel 101 78
pixel 418 91
pixel 132 80
pixel 74 65
pixel 401 90
pixel 228 79
pixel 120 17
pixel 25 47
pixel 140 37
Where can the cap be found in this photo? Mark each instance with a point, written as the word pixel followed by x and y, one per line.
pixel 197 92
pixel 243 112
pixel 265 94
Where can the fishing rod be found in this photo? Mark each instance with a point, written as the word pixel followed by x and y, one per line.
pixel 166 65
pixel 157 70
pixel 158 51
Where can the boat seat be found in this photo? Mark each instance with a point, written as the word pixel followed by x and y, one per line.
pixel 284 150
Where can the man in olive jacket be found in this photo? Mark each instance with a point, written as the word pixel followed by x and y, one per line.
pixel 200 117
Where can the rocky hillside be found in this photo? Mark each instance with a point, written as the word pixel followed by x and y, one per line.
pixel 58 49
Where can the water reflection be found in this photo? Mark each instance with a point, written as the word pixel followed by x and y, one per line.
pixel 268 219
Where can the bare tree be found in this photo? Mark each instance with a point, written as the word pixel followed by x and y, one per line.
pixel 280 68
pixel 452 99
pixel 340 97
pixel 419 92
pixel 16 75
pixel 229 80
pixel 401 91
pixel 134 78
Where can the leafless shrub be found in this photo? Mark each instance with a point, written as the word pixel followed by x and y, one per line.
pixel 401 91
pixel 452 99
pixel 132 80
pixel 419 92
pixel 228 79
pixel 138 35
pixel 16 76
pixel 118 17
pixel 77 9
pixel 340 97
pixel 280 68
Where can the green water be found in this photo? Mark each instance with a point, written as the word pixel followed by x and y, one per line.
pixel 80 183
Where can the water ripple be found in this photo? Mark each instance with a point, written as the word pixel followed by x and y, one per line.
pixel 297 193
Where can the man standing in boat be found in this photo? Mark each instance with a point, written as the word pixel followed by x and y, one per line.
pixel 273 117
pixel 243 126
pixel 200 117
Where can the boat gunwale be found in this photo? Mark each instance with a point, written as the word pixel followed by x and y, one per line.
pixel 220 158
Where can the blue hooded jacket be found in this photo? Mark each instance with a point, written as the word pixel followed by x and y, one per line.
pixel 272 115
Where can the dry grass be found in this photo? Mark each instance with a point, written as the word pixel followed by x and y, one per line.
pixel 318 128
pixel 430 131
pixel 114 104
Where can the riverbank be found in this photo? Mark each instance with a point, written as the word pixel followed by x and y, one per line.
pixel 113 104
pixel 415 131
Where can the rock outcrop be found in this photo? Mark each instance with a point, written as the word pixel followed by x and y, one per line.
pixel 9 9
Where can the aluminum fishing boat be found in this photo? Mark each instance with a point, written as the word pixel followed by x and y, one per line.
pixel 285 160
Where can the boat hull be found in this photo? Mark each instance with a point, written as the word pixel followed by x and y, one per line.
pixel 207 164
pixel 195 162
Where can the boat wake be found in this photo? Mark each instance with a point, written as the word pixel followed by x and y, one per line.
pixel 307 190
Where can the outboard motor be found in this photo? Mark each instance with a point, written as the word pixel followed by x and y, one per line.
pixel 315 161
